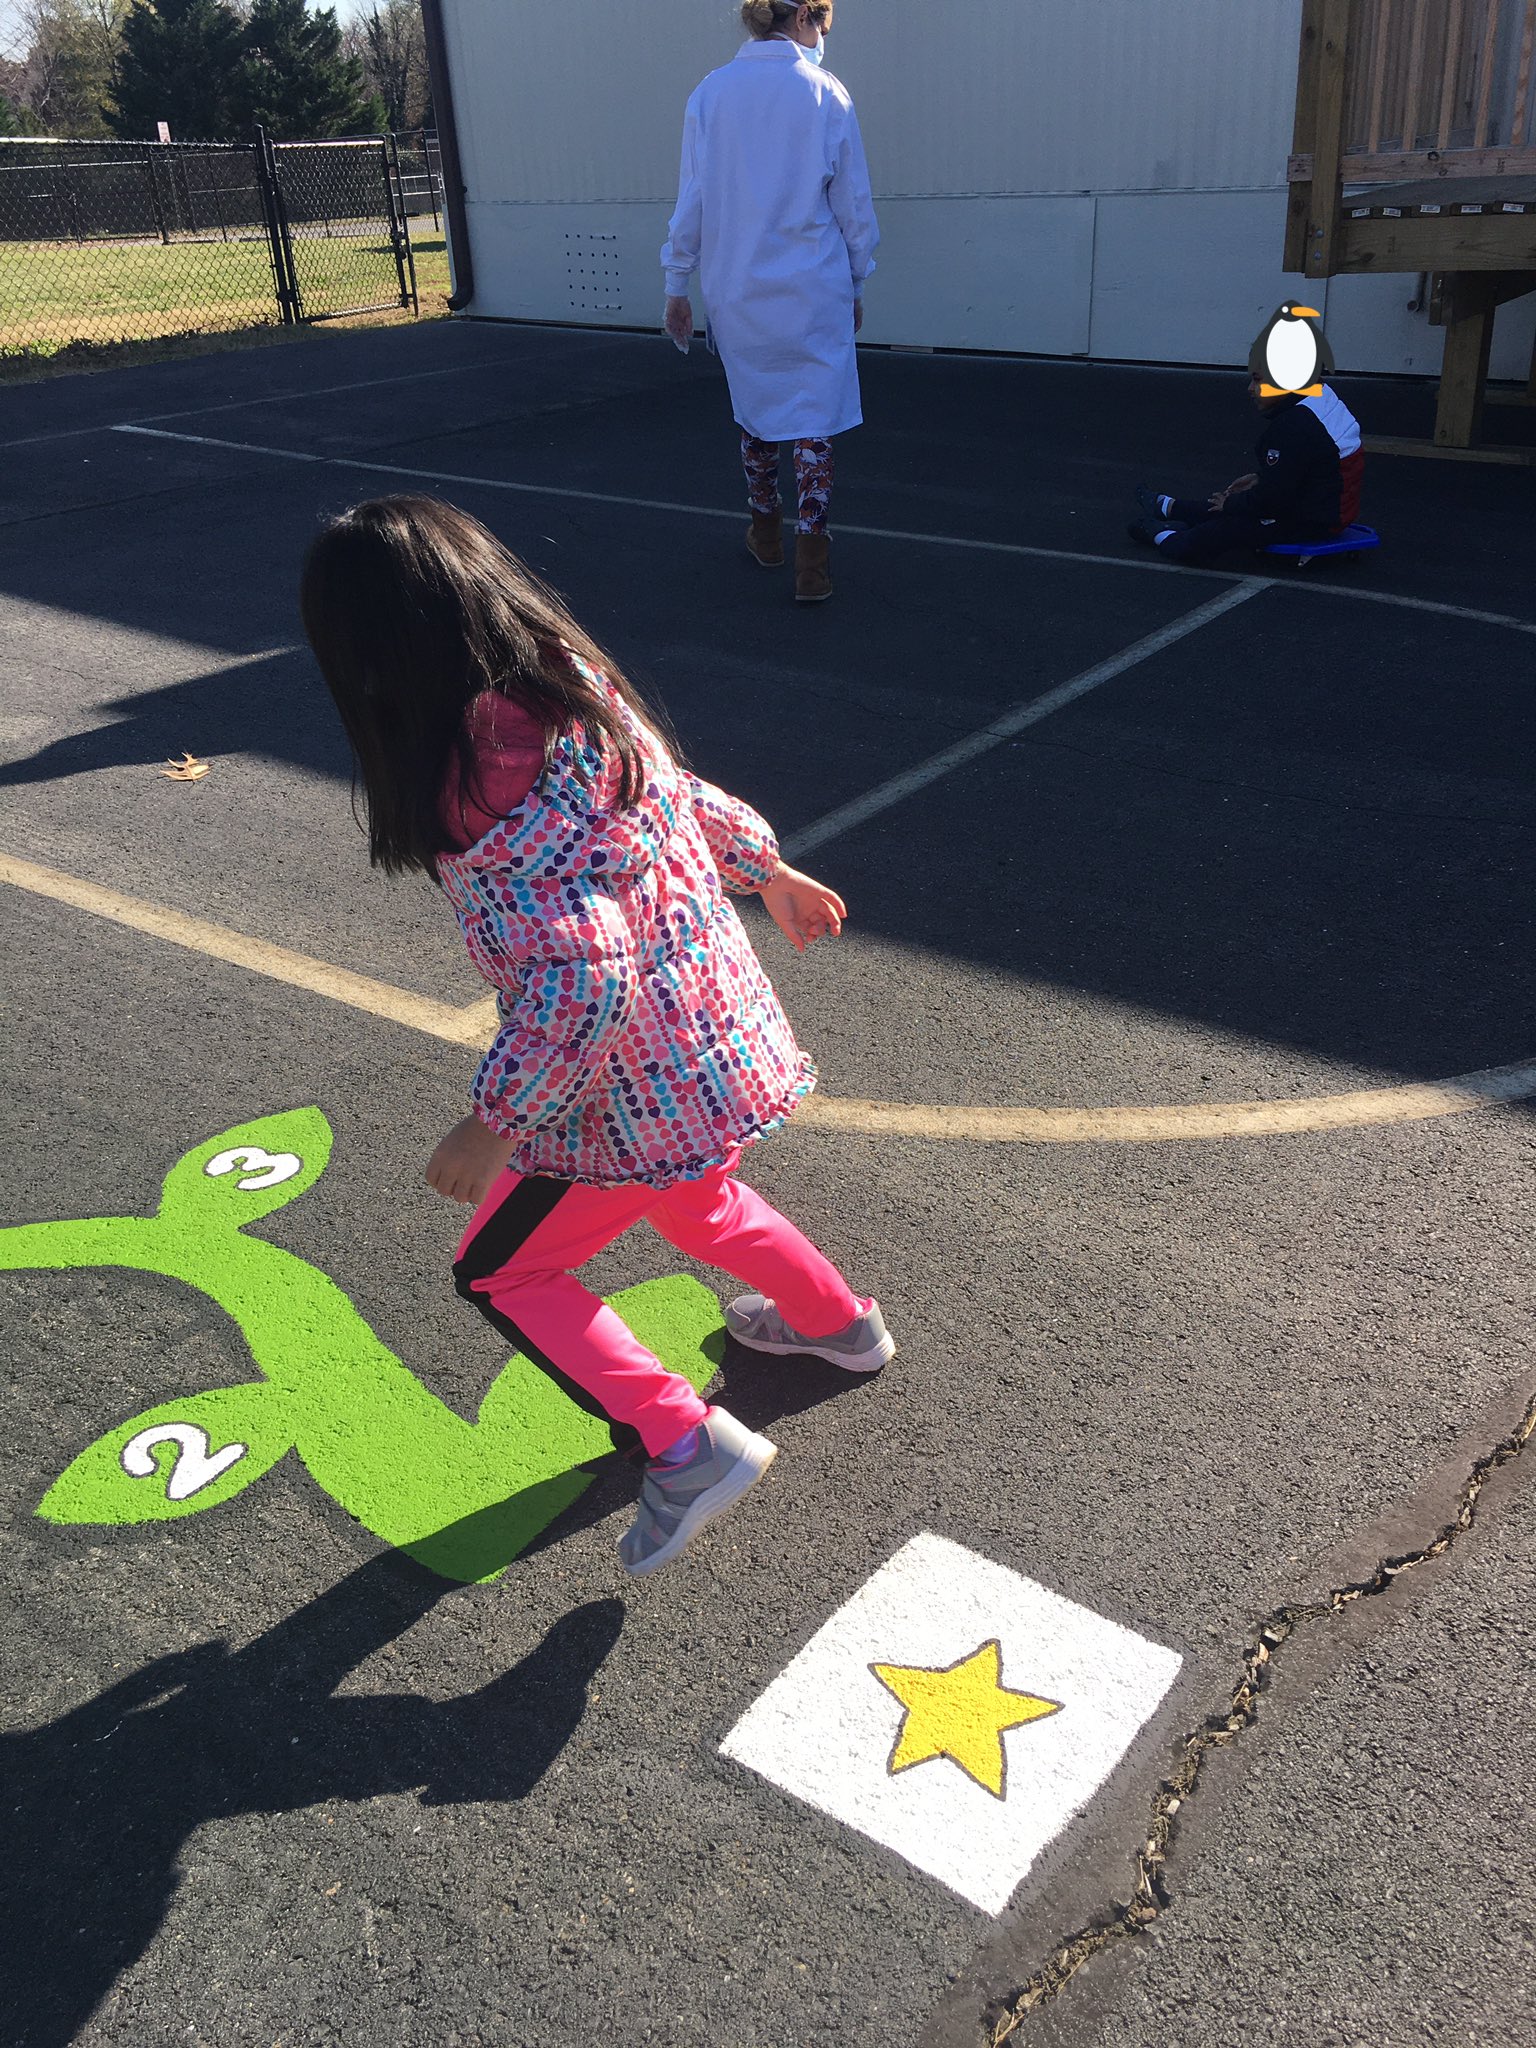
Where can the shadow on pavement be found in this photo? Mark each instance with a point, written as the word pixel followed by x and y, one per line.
pixel 757 1389
pixel 1310 826
pixel 102 1800
pixel 274 707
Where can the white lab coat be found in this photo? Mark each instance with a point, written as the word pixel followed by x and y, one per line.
pixel 775 212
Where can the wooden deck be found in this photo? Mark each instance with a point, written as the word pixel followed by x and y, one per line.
pixel 1415 151
pixel 1435 197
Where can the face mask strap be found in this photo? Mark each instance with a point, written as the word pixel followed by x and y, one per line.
pixel 782 35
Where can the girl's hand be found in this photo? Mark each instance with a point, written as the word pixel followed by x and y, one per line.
pixel 804 910
pixel 467 1161
pixel 678 320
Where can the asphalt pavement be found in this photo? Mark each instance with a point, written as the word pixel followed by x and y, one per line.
pixel 272 1778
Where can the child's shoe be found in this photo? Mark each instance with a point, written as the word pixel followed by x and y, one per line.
pixel 813 574
pixel 765 539
pixel 677 1501
pixel 1153 506
pixel 864 1346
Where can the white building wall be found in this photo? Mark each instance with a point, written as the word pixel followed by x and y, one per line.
pixel 1062 177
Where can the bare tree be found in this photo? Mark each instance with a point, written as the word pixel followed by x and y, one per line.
pixel 389 38
pixel 65 50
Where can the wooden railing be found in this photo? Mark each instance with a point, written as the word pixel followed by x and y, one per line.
pixel 1438 86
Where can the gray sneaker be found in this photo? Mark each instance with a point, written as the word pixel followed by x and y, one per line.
pixel 677 1501
pixel 864 1346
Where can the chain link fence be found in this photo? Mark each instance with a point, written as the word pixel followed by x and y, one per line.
pixel 103 243
pixel 340 227
pixel 421 175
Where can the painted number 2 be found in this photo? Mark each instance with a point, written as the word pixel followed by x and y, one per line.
pixel 257 1168
pixel 194 1467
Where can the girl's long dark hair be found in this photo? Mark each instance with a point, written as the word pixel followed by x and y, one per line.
pixel 412 609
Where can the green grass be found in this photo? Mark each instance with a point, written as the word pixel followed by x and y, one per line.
pixel 62 301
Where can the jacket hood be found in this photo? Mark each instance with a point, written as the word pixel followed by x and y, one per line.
pixel 572 822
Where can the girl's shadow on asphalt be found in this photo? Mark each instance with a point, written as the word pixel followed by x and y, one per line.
pixel 758 1389
pixel 100 1802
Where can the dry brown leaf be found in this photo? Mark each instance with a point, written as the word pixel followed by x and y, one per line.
pixel 187 769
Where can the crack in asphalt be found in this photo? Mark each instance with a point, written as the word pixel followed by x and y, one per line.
pixel 1151 1894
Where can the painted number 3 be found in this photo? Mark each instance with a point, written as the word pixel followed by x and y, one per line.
pixel 194 1466
pixel 257 1168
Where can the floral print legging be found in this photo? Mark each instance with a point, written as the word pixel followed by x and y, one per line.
pixel 813 479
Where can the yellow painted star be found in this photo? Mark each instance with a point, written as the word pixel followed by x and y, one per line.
pixel 961 1712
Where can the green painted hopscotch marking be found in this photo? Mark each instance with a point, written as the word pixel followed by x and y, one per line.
pixel 462 1498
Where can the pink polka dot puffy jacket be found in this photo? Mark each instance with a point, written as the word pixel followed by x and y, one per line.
pixel 640 1039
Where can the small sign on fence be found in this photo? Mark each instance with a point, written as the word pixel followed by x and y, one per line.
pixel 163 131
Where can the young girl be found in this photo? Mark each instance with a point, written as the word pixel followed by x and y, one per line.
pixel 641 1045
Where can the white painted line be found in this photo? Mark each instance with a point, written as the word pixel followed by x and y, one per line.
pixel 1419 604
pixel 59 434
pixel 189 412
pixel 211 441
pixel 68 640
pixel 277 963
pixel 964 1758
pixel 1018 720
pixel 435 476
pixel 633 504
pixel 1147 564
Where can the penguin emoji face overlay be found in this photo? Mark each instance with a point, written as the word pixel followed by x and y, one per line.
pixel 1291 356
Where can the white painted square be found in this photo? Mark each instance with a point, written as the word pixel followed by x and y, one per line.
pixel 826 1728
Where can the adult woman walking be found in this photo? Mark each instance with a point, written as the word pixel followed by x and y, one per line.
pixel 774 211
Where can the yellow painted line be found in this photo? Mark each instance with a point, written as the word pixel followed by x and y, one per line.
pixel 1365 1106
pixel 482 1018
pixel 473 1025
pixel 277 963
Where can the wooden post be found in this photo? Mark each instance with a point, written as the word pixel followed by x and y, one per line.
pixel 1328 137
pixel 1379 73
pixel 1414 87
pixel 1299 206
pixel 1485 71
pixel 1523 79
pixel 1464 372
pixel 1452 70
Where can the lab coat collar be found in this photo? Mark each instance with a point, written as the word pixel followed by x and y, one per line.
pixel 778 47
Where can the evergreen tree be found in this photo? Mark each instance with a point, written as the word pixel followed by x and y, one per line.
pixel 180 62
pixel 297 80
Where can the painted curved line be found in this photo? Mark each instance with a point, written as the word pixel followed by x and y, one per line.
pixel 1411 1103
pixel 472 1024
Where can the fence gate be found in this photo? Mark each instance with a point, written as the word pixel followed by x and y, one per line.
pixel 339 242
pixel 107 242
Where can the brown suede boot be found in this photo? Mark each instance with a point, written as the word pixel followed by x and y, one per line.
pixel 765 539
pixel 813 580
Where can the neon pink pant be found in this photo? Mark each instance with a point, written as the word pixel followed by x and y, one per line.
pixel 515 1265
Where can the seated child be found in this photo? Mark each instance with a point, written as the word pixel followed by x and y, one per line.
pixel 1306 485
